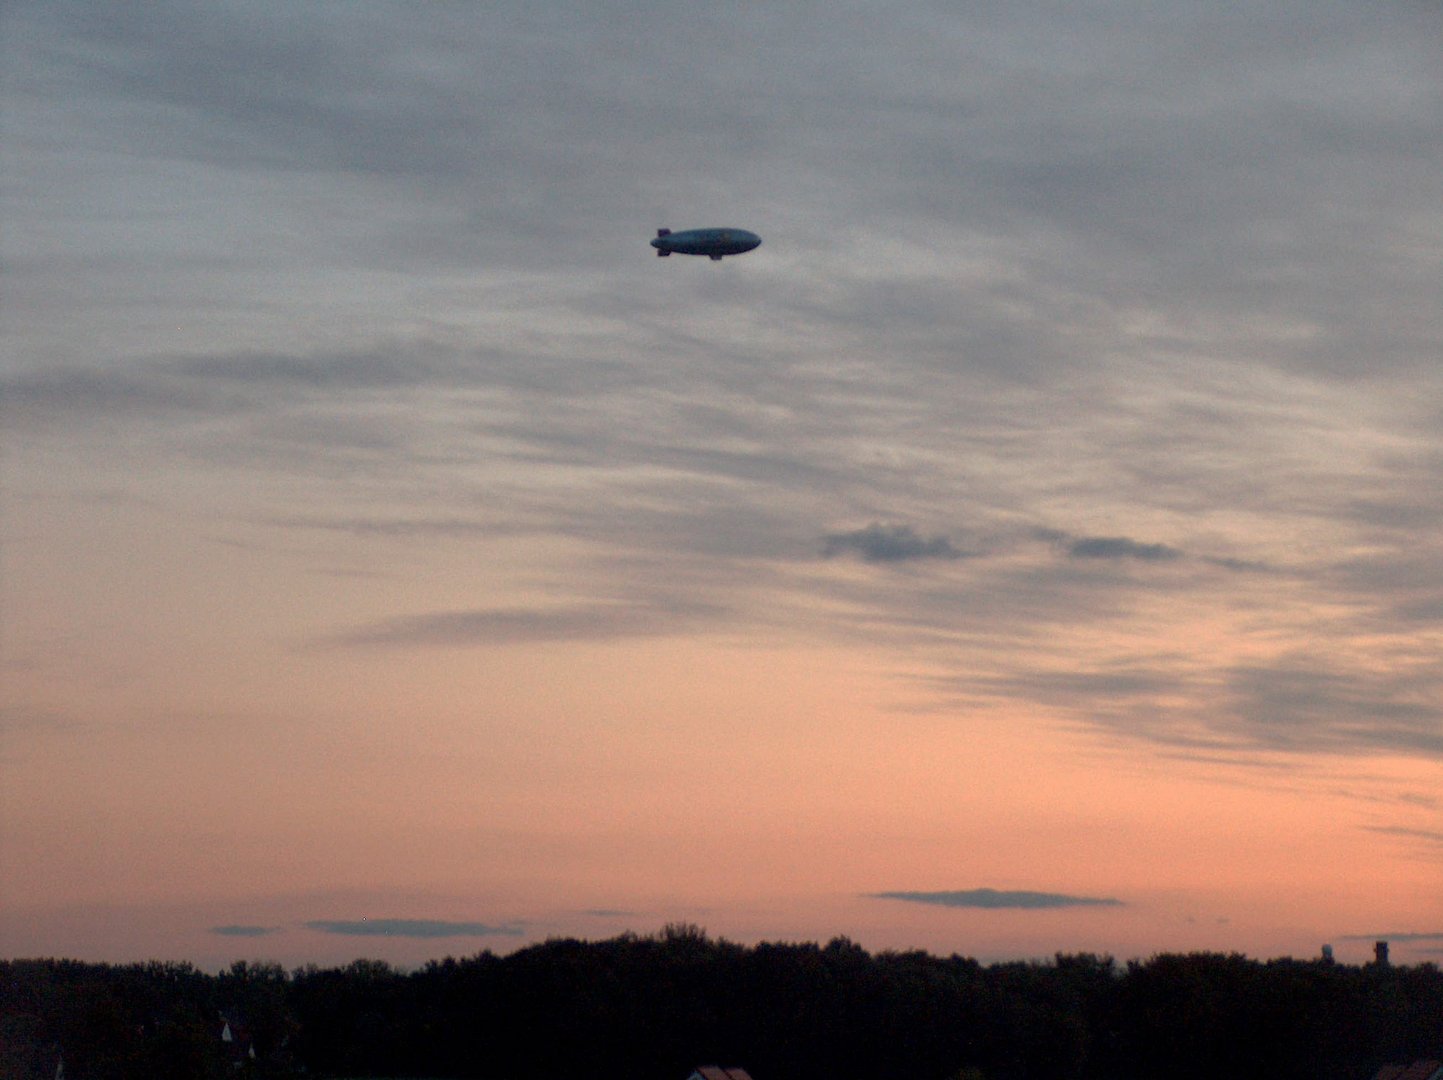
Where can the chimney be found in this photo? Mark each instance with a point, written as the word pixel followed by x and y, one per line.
pixel 1380 953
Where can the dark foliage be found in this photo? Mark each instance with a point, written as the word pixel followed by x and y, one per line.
pixel 652 1008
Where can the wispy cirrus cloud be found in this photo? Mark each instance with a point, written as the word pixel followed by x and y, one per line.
pixel 995 899
pixel 392 527
pixel 499 626
pixel 1298 703
pixel 1289 704
pixel 215 385
pixel 1432 836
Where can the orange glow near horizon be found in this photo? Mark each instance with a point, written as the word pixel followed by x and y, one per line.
pixel 701 781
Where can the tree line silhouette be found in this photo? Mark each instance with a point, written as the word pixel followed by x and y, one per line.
pixel 654 1007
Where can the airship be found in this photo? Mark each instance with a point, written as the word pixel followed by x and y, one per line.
pixel 713 243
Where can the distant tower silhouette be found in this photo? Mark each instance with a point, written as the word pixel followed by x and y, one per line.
pixel 1380 953
pixel 1327 954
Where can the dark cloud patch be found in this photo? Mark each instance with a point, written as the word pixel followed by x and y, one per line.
pixel 879 543
pixel 243 931
pixel 1120 547
pixel 994 899
pixel 411 928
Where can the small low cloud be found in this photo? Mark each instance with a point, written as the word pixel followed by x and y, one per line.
pixel 994 899
pixel 1402 939
pixel 244 931
pixel 410 928
pixel 879 543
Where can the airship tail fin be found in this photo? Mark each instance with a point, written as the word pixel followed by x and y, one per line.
pixel 663 232
pixel 662 253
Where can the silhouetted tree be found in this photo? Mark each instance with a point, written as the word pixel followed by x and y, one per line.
pixel 653 1007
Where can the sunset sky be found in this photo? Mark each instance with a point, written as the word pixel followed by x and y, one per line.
pixel 1036 545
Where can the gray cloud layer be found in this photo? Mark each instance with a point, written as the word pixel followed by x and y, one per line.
pixel 1091 312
